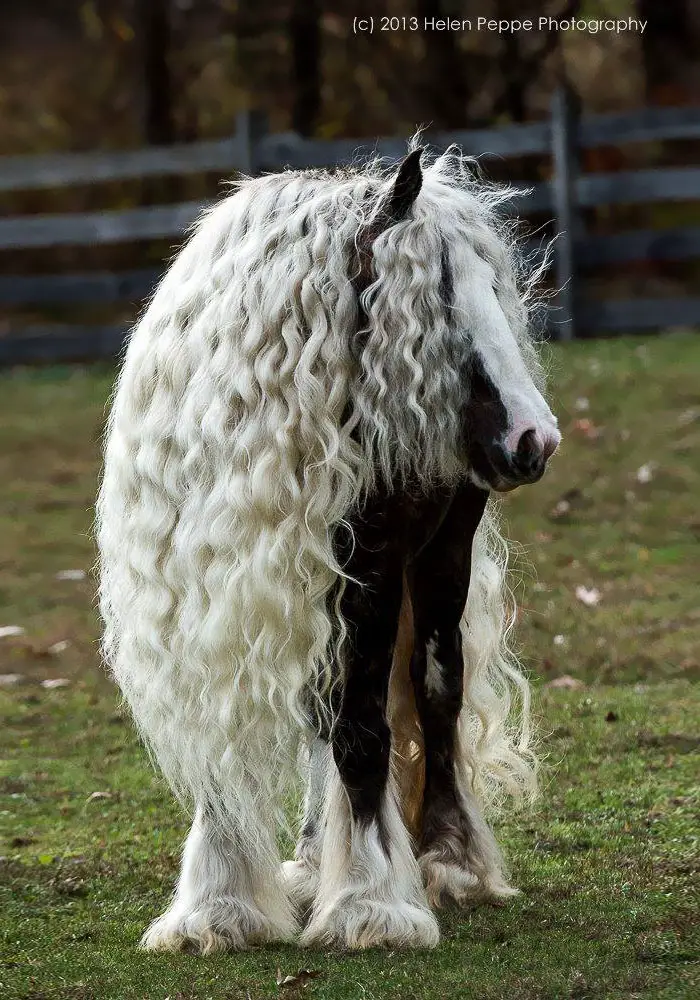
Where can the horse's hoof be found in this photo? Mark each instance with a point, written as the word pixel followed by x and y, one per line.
pixel 358 923
pixel 301 880
pixel 224 924
pixel 448 881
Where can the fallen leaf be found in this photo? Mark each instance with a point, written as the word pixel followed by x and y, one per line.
pixel 645 473
pixel 565 681
pixel 10 680
pixel 71 574
pixel 302 977
pixel 58 647
pixel 9 630
pixel 689 416
pixel 98 795
pixel 71 886
pixel 55 682
pixel 588 597
pixel 22 841
pixel 560 508
pixel 589 430
pixel 569 500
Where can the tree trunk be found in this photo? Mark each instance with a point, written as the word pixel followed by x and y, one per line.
pixel 154 25
pixel 670 49
pixel 305 37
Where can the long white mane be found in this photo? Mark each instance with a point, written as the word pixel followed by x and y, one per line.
pixel 251 412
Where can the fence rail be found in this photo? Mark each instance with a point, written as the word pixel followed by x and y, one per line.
pixel 252 149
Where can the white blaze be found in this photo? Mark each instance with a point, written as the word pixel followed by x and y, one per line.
pixel 492 338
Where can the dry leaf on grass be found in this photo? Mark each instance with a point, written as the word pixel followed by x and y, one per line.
pixel 689 416
pixel 300 980
pixel 71 574
pixel 45 648
pixel 9 630
pixel 568 501
pixel 56 648
pixel 588 429
pixel 565 681
pixel 98 795
pixel 589 597
pixel 55 682
pixel 560 509
pixel 22 841
pixel 645 473
pixel 11 680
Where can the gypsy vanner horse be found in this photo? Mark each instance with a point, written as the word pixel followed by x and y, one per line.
pixel 300 564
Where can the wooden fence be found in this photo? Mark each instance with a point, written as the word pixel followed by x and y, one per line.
pixel 252 149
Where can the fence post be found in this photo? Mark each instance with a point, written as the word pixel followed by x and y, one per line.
pixel 251 126
pixel 565 112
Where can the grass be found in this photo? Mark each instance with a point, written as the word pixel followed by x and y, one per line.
pixel 606 861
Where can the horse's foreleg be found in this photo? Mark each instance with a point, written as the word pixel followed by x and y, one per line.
pixel 458 853
pixel 301 875
pixel 370 889
pixel 229 894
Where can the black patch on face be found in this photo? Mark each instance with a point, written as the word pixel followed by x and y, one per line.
pixel 485 419
pixel 485 423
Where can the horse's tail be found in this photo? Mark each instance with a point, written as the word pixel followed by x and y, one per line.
pixel 494 750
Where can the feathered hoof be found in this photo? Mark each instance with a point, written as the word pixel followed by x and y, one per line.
pixel 448 881
pixel 220 925
pixel 301 880
pixel 356 924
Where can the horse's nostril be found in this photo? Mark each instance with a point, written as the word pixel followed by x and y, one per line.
pixel 529 454
pixel 528 443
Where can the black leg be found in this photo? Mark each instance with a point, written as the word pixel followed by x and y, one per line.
pixel 370 608
pixel 361 739
pixel 455 841
pixel 369 889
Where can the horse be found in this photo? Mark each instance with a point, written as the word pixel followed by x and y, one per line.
pixel 301 570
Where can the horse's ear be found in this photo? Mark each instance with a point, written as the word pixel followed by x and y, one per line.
pixel 394 208
pixel 407 184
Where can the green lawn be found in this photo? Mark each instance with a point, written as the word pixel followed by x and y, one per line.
pixel 607 860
